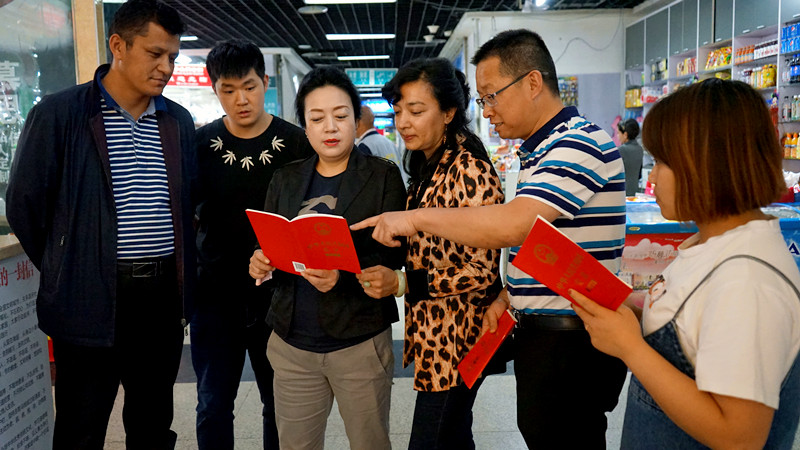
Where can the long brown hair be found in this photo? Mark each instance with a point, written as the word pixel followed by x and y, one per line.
pixel 719 140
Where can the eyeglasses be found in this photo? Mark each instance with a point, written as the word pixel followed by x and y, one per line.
pixel 489 99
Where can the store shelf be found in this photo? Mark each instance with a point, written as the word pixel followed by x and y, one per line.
pixel 714 70
pixel 660 82
pixel 790 85
pixel 683 77
pixel 634 107
pixel 759 61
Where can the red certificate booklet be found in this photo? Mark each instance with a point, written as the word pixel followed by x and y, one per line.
pixel 475 360
pixel 314 241
pixel 553 259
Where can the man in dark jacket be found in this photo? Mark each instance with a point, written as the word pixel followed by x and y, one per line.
pixel 101 200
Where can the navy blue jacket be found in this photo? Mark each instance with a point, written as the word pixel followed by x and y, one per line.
pixel 61 206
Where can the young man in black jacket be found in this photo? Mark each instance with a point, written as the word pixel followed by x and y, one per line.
pixel 101 200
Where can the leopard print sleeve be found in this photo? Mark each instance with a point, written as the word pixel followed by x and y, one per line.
pixel 469 182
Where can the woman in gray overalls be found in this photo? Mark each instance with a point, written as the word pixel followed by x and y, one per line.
pixel 717 366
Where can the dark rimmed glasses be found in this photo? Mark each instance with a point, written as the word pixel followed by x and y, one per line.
pixel 489 99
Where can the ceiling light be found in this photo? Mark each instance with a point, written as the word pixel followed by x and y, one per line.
pixel 371 94
pixel 189 38
pixel 433 28
pixel 347 37
pixel 428 37
pixel 319 55
pixel 345 2
pixel 540 3
pixel 362 57
pixel 309 10
pixel 304 47
pixel 447 33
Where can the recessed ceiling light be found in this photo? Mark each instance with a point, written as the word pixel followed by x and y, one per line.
pixel 345 2
pixel 346 37
pixel 189 38
pixel 315 9
pixel 362 57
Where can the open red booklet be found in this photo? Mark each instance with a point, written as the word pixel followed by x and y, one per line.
pixel 553 259
pixel 314 241
pixel 475 360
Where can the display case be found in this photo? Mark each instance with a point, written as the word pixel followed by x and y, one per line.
pixel 37 57
pixel 651 241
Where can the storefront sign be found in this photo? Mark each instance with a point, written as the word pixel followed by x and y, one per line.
pixel 370 77
pixel 26 404
pixel 190 76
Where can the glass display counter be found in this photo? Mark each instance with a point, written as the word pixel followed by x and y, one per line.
pixel 651 241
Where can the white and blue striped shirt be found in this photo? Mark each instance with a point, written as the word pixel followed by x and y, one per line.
pixel 139 182
pixel 573 166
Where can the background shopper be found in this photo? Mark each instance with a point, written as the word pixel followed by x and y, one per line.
pixel 718 364
pixel 571 175
pixel 632 155
pixel 115 286
pixel 330 339
pixel 237 153
pixel 371 142
pixel 448 286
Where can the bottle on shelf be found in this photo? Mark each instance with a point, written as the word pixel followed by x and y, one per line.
pixel 786 110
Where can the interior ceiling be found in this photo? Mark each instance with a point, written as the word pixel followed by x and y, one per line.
pixel 277 23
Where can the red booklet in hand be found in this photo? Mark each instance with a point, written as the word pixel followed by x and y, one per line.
pixel 553 259
pixel 314 241
pixel 475 360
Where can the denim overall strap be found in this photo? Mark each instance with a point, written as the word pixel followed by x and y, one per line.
pixel 646 425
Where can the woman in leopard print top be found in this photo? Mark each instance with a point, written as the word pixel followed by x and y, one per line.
pixel 449 285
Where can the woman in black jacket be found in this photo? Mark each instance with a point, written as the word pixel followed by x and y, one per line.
pixel 330 339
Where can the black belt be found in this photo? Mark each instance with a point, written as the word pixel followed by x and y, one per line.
pixel 146 268
pixel 548 321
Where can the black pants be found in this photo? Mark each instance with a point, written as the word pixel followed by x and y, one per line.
pixel 564 388
pixel 443 420
pixel 221 336
pixel 144 358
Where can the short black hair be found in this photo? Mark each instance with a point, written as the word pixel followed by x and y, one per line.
pixel 234 59
pixel 133 17
pixel 629 127
pixel 519 52
pixel 320 77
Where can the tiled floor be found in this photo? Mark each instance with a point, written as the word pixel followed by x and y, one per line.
pixel 494 413
pixel 495 418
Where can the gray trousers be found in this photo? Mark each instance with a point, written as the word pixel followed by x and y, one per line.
pixel 359 377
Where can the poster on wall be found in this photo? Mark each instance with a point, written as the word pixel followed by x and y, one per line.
pixel 26 403
pixel 568 88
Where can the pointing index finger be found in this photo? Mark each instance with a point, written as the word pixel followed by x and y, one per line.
pixel 366 223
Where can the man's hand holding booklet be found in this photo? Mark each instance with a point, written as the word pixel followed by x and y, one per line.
pixel 554 260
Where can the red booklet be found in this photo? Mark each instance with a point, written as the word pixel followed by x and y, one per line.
pixel 553 259
pixel 316 241
pixel 475 360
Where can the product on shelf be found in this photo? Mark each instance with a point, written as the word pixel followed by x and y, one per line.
pixel 686 67
pixel 633 98
pixel 790 38
pixel 720 57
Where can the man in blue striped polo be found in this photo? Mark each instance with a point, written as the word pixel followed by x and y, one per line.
pixel 101 200
pixel 572 175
